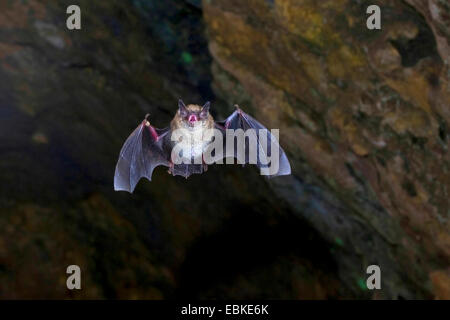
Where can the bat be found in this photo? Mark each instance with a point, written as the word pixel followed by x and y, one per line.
pixel 195 132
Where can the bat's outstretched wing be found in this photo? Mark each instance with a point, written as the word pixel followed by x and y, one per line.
pixel 270 157
pixel 140 154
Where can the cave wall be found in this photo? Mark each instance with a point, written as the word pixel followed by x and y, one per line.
pixel 364 118
pixel 68 100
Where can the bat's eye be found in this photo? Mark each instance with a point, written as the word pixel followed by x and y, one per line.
pixel 183 113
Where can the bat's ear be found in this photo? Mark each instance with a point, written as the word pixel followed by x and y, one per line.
pixel 182 107
pixel 205 110
pixel 206 106
pixel 181 104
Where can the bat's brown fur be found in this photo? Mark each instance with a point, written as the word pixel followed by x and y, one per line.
pixel 178 122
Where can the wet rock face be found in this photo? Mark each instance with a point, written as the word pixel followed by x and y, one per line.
pixel 364 117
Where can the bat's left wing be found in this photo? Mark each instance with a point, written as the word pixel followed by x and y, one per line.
pixel 267 148
pixel 140 154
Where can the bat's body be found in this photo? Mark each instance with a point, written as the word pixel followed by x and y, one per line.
pixel 192 130
pixel 195 131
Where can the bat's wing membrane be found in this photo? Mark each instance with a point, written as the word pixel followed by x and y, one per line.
pixel 265 143
pixel 186 170
pixel 140 154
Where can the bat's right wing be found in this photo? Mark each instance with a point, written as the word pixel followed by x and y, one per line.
pixel 140 154
pixel 267 153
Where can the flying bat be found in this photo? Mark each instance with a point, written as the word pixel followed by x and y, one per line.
pixel 193 138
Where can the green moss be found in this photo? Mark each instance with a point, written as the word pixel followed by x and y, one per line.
pixel 339 241
pixel 362 284
pixel 186 57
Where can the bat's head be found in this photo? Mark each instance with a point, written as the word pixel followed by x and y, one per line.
pixel 192 114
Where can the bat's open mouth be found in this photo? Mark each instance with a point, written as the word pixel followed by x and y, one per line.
pixel 192 118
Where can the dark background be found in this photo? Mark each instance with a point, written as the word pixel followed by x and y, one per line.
pixel 363 116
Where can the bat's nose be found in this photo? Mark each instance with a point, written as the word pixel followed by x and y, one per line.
pixel 192 118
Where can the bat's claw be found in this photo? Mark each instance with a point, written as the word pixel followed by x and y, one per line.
pixel 147 123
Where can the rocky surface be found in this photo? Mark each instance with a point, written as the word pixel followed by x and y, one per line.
pixel 363 116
